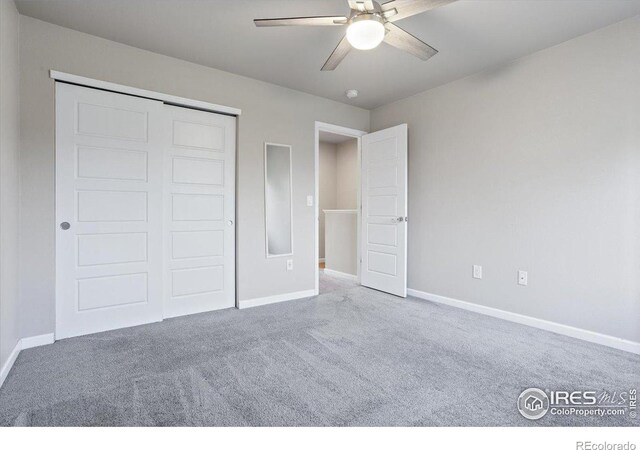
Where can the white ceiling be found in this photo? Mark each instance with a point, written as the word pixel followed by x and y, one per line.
pixel 332 138
pixel 471 36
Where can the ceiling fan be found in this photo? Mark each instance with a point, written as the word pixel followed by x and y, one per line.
pixel 369 23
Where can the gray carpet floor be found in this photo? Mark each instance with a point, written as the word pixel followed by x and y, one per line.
pixel 348 357
pixel 330 283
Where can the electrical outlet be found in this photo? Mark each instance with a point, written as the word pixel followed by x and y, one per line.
pixel 523 278
pixel 289 264
pixel 309 200
pixel 477 272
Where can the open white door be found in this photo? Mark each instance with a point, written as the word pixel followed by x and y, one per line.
pixel 384 210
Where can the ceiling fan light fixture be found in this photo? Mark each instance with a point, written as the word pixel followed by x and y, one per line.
pixel 365 31
pixel 368 24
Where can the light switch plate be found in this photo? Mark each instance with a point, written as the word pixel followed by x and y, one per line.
pixel 477 272
pixel 309 200
pixel 523 278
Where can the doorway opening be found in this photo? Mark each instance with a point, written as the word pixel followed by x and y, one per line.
pixel 337 207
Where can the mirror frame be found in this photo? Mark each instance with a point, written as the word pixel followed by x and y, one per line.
pixel 266 220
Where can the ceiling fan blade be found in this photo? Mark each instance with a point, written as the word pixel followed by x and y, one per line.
pixel 338 55
pixel 400 9
pixel 399 38
pixel 322 21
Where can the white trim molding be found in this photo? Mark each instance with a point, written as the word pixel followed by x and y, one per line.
pixel 167 98
pixel 6 368
pixel 23 344
pixel 340 211
pixel 37 341
pixel 276 299
pixel 266 201
pixel 335 273
pixel 344 131
pixel 554 327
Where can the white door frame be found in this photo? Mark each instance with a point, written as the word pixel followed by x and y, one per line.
pixel 122 89
pixel 344 131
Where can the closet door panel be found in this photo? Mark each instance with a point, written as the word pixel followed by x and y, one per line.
pixel 109 164
pixel 199 200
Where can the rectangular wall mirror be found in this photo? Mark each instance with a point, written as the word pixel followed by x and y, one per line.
pixel 278 207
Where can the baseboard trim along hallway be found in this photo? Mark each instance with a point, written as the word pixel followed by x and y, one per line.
pixel 276 299
pixel 23 344
pixel 554 327
pixel 336 273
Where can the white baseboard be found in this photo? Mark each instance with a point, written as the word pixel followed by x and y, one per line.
pixel 567 330
pixel 336 273
pixel 23 344
pixel 4 372
pixel 37 341
pixel 276 299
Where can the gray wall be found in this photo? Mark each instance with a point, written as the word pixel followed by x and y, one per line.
pixel 533 166
pixel 270 113
pixel 9 190
pixel 339 180
pixel 327 187
pixel 341 252
pixel 347 174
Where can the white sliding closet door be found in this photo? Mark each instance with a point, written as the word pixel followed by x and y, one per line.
pixel 145 210
pixel 108 210
pixel 199 211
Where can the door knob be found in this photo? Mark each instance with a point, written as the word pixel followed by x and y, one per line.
pixel 230 222
pixel 65 225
